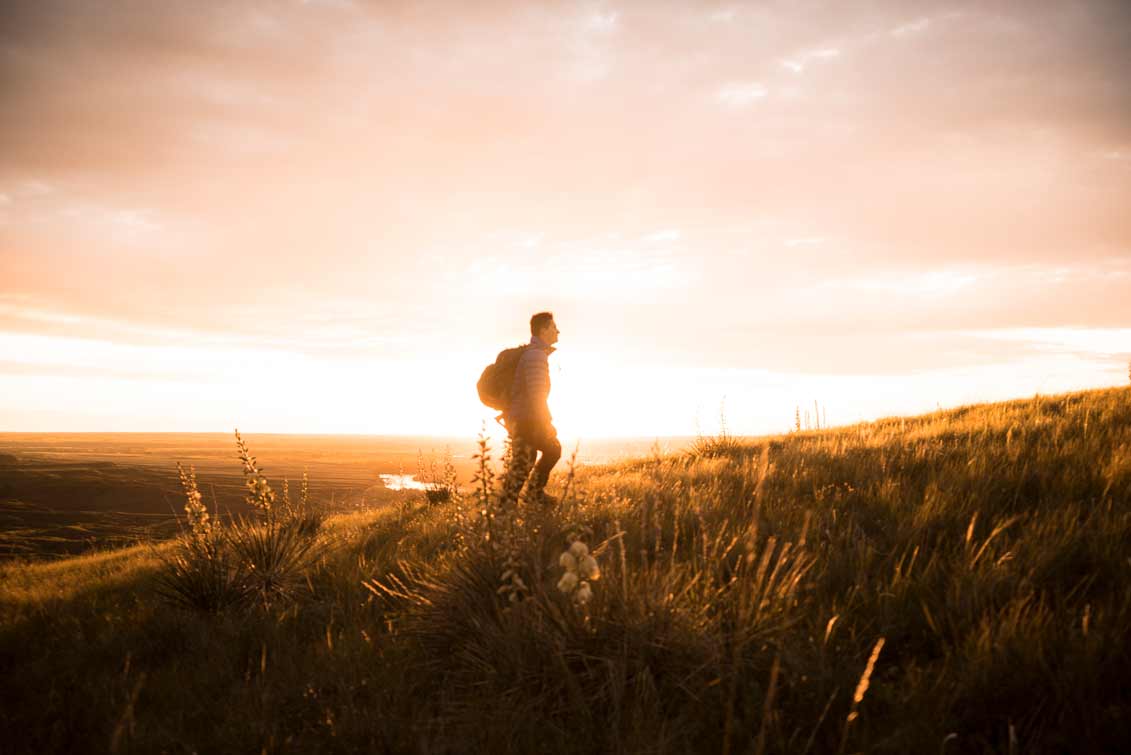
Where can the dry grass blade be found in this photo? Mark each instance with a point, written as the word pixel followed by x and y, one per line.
pixel 861 690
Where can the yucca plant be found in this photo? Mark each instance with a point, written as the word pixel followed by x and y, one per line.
pixel 722 445
pixel 307 522
pixel 201 575
pixel 259 495
pixel 213 568
pixel 300 515
pixel 274 558
pixel 200 523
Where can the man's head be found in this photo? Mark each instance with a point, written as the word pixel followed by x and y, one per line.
pixel 542 325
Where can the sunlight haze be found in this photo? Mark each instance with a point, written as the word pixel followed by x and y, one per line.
pixel 328 217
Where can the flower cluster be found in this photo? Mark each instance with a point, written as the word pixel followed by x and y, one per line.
pixel 484 482
pixel 580 569
pixel 259 495
pixel 199 521
pixel 513 587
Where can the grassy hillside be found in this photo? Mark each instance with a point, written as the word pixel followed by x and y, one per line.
pixel 957 582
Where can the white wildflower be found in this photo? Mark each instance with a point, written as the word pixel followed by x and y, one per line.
pixel 579 567
pixel 567 582
pixel 199 522
pixel 587 568
pixel 513 585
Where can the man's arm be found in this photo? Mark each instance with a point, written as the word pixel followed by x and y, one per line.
pixel 535 374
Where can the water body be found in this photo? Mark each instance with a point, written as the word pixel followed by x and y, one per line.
pixel 403 482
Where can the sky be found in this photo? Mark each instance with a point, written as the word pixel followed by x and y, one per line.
pixel 329 216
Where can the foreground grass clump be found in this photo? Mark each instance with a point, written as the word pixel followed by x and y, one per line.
pixel 956 582
pixel 212 567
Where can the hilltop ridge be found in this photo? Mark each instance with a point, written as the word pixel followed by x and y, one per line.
pixel 952 580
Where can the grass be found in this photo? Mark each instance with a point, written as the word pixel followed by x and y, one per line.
pixel 956 582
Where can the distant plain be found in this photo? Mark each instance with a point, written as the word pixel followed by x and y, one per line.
pixel 64 494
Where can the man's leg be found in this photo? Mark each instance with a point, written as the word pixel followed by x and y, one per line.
pixel 522 458
pixel 551 451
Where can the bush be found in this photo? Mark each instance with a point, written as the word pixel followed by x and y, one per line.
pixel 439 479
pixel 214 568
pixel 201 575
pixel 275 558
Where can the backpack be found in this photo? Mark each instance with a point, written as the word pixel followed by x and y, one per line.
pixel 495 383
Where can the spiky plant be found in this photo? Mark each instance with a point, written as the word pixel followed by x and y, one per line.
pixel 201 575
pixel 275 558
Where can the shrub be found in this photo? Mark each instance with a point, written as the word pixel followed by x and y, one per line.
pixel 275 557
pixel 213 568
pixel 441 485
pixel 201 575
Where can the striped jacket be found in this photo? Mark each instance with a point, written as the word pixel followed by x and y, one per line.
pixel 531 386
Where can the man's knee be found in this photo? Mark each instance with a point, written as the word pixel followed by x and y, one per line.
pixel 552 452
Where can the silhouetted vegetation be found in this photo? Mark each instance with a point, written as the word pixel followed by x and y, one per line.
pixel 956 582
pixel 439 477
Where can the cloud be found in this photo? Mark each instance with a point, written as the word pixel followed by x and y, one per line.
pixel 930 283
pixel 333 4
pixel 32 316
pixel 125 225
pixel 34 188
pixel 669 234
pixel 242 167
pixel 603 22
pixel 1102 342
pixel 739 94
pixel 590 272
pixel 911 28
pixel 806 241
pixel 798 63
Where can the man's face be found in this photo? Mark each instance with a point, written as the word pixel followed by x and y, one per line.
pixel 549 334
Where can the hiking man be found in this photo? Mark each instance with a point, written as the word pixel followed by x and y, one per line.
pixel 528 418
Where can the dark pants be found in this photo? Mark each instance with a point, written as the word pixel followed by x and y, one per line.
pixel 527 439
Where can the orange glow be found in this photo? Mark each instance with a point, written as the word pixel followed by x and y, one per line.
pixel 327 217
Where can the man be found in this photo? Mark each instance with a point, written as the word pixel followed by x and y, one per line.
pixel 528 418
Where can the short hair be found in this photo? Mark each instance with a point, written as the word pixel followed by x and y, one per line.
pixel 539 321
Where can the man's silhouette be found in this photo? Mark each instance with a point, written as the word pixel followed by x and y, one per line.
pixel 528 418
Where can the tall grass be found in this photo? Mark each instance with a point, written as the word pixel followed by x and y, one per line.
pixel 955 582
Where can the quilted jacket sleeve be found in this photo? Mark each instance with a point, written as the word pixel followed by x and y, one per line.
pixel 534 375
